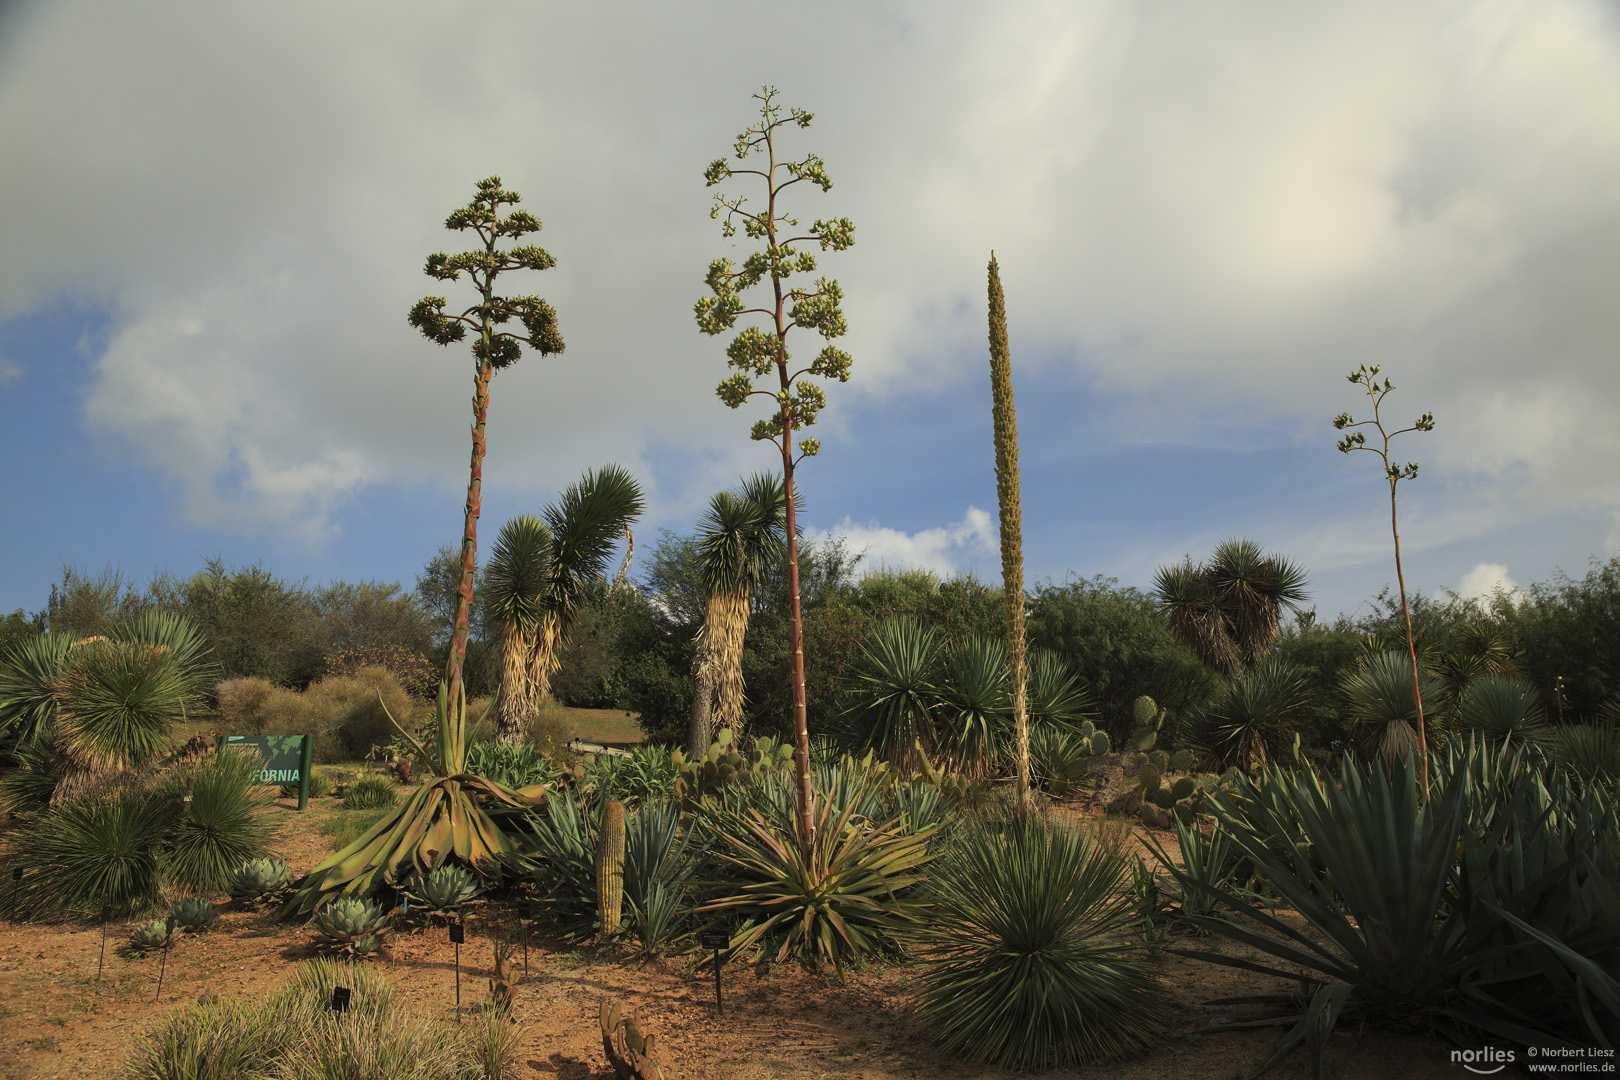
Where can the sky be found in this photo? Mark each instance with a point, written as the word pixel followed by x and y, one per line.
pixel 214 217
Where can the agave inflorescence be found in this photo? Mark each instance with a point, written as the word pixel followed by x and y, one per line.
pixel 193 913
pixel 350 925
pixel 260 881
pixel 442 892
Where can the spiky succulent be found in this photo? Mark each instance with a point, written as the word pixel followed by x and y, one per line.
pixel 444 891
pixel 154 935
pixel 193 913
pixel 350 926
pixel 261 881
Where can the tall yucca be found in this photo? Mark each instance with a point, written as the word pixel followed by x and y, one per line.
pixel 585 523
pixel 1012 528
pixel 516 578
pixel 1229 610
pixel 738 540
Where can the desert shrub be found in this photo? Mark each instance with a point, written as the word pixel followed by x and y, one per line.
pixel 320 785
pixel 549 724
pixel 563 841
pixel 1027 952
pixel 295 1034
pixel 1591 750
pixel 350 705
pixel 244 704
pixel 222 826
pixel 369 793
pixel 646 774
pixel 104 849
pixel 417 676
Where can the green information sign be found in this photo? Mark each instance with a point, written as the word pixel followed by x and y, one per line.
pixel 287 759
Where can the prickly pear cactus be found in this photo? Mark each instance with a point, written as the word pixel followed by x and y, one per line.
pixel 350 926
pixel 610 868
pixel 1149 721
pixel 154 935
pixel 193 914
pixel 721 766
pixel 261 881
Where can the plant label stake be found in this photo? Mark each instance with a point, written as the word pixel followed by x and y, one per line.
pixel 106 913
pixel 526 914
pixel 340 999
pixel 716 941
pixel 168 941
pixel 458 934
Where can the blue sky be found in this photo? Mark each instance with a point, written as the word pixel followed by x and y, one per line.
pixel 216 220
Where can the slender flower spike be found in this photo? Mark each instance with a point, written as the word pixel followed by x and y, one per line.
pixel 1366 377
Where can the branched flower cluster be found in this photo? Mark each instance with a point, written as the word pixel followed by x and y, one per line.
pixel 1357 440
pixel 755 352
pixel 497 348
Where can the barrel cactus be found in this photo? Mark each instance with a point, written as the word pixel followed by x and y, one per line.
pixel 261 881
pixel 350 925
pixel 610 868
pixel 157 934
pixel 442 892
pixel 193 914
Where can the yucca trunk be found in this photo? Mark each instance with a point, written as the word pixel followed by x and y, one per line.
pixel 545 657
pixel 727 622
pixel 516 705
pixel 1012 542
pixel 700 731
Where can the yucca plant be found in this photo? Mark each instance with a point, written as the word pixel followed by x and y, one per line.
pixel 563 843
pixel 1058 697
pixel 320 785
pixel 891 700
pixel 1590 750
pixel 975 703
pixel 442 817
pixel 221 826
pixel 193 914
pixel 115 706
pixel 1503 708
pixel 29 672
pixel 515 580
pixel 1207 858
pixel 349 925
pixel 1255 716
pixel 511 764
pixel 1385 706
pixel 260 881
pixel 444 892
pixel 370 793
pixel 849 900
pixel 101 850
pixel 659 861
pixel 1027 958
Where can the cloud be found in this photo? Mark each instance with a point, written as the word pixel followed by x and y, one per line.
pixel 946 549
pixel 1484 580
pixel 1211 213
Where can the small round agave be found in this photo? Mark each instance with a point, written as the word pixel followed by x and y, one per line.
pixel 442 892
pixel 350 926
pixel 260 881
pixel 154 935
pixel 193 914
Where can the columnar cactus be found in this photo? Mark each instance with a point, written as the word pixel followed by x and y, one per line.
pixel 610 868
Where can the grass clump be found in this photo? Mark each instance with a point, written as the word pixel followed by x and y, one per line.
pixel 295 1034
pixel 370 793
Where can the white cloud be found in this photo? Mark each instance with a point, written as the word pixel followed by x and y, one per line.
pixel 946 549
pixel 1220 210
pixel 1484 580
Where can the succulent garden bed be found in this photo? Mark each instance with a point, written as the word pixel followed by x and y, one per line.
pixel 781 1020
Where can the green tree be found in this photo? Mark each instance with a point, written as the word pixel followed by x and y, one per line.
pixel 1005 417
pixel 257 623
pixel 1356 440
pixel 90 605
pixel 755 353
pixel 738 539
pixel 493 350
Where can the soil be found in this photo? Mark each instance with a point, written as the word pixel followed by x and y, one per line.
pixel 780 1022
